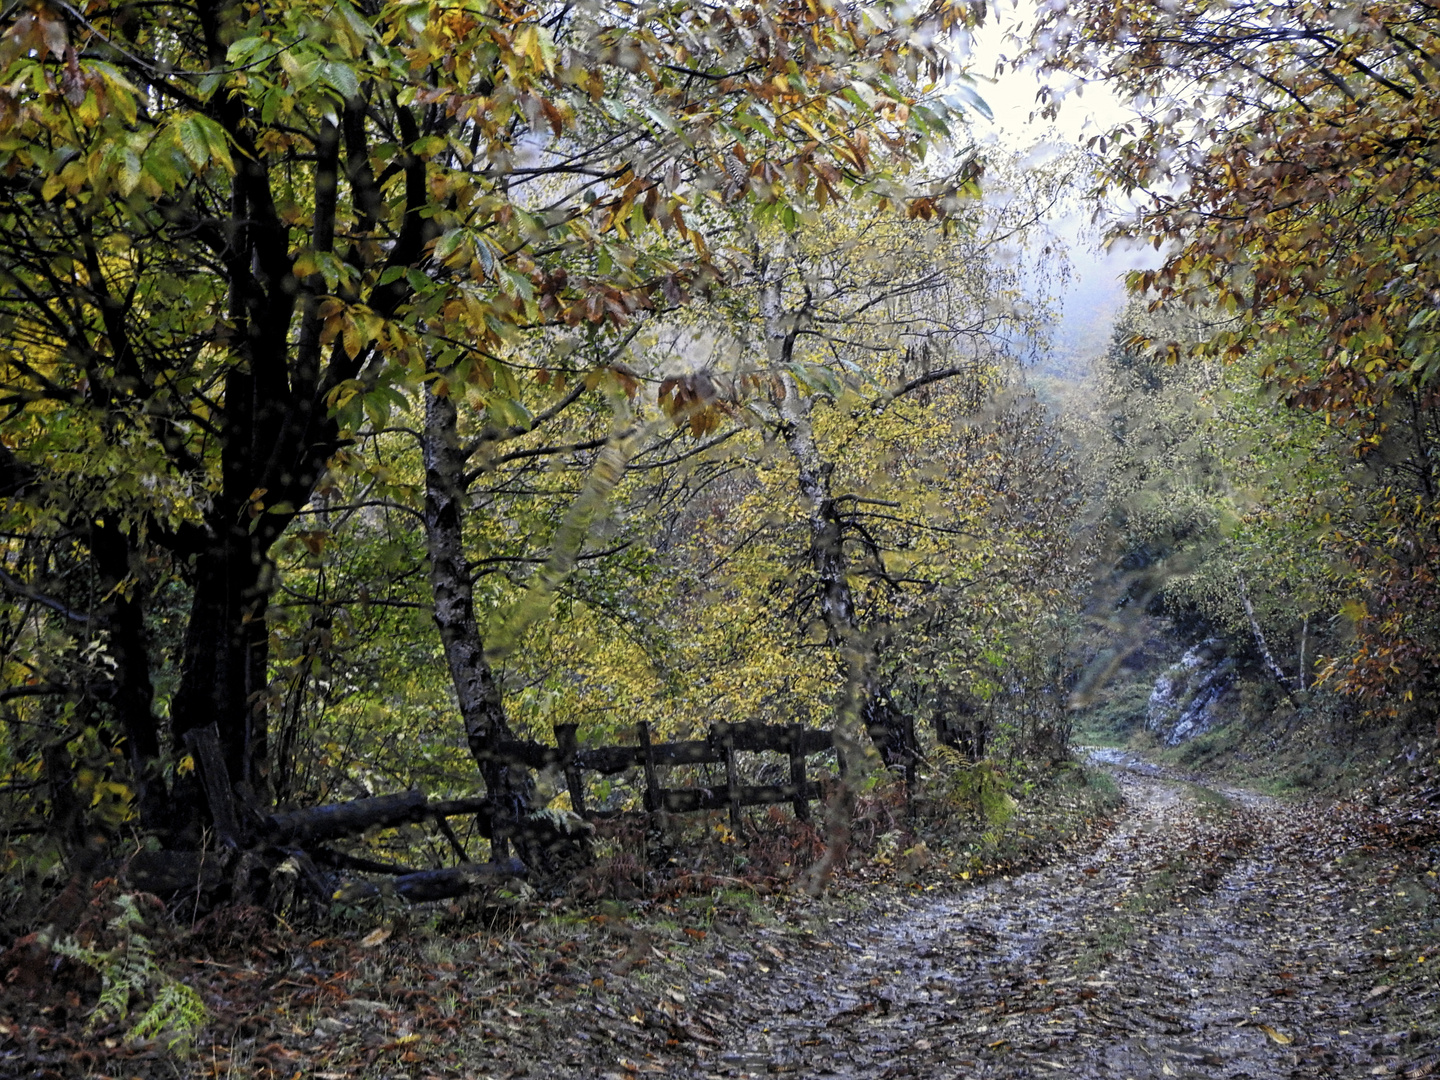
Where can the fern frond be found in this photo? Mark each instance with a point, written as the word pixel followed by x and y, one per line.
pixel 177 1009
pixel 129 973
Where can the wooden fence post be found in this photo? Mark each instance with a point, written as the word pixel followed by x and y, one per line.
pixel 912 755
pixel 652 785
pixel 721 733
pixel 565 739
pixel 797 775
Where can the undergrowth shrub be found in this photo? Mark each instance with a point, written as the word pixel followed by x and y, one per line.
pixel 980 787
pixel 129 974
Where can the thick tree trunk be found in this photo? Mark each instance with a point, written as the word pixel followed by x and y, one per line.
pixel 132 694
pixel 827 557
pixel 223 667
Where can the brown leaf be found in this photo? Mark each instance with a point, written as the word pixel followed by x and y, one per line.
pixel 699 1036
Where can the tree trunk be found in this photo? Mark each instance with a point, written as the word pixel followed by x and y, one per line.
pixel 481 707
pixel 223 667
pixel 1271 665
pixel 131 693
pixel 827 558
pixel 960 725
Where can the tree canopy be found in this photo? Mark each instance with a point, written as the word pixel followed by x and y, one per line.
pixel 280 283
pixel 1282 155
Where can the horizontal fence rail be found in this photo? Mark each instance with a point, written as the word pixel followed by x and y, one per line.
pixel 317 824
pixel 721 745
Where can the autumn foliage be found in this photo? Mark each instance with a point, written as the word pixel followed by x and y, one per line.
pixel 1282 156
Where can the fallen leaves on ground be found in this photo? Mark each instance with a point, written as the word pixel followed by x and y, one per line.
pixel 1207 934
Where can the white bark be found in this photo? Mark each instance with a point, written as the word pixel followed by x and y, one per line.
pixel 1265 654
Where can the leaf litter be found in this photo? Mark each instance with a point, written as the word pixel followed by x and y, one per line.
pixel 1206 934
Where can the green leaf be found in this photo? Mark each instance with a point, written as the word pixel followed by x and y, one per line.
pixel 129 175
pixel 193 142
pixel 341 77
pixel 448 244
pixel 216 140
pixel 968 97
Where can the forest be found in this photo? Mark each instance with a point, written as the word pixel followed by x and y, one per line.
pixel 569 539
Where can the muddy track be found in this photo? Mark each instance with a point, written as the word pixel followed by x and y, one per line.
pixel 1206 936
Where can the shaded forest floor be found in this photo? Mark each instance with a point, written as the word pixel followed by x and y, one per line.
pixel 1200 932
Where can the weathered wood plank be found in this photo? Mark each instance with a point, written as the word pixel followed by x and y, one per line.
pixel 775 738
pixel 608 759
pixel 692 800
pixel 750 737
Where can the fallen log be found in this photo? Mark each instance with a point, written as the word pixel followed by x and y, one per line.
pixel 345 819
pixel 334 820
pixel 437 884
pixel 339 860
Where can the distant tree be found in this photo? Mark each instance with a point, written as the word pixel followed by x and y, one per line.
pixel 1283 151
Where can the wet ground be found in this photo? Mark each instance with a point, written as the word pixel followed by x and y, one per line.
pixel 1214 934
pixel 1203 932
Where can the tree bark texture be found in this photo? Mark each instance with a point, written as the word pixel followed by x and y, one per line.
pixel 827 557
pixel 223 667
pixel 481 707
pixel 131 694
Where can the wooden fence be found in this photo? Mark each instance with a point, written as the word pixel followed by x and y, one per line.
pixel 722 743
pixel 303 834
pixel 719 748
pixel 311 828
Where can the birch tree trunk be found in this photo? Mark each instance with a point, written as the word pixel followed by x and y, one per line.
pixel 827 557
pixel 1271 665
pixel 482 709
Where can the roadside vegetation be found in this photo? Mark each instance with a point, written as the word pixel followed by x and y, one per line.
pixel 398 399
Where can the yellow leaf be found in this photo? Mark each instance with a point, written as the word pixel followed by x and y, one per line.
pixel 1278 1036
pixel 378 936
pixel 807 127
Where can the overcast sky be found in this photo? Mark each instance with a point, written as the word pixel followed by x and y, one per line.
pixel 1096 293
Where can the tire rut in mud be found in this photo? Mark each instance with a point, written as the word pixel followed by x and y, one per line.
pixel 1200 939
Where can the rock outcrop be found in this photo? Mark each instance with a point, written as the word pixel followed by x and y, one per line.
pixel 1189 698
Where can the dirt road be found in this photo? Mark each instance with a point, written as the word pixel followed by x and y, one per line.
pixel 1212 934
